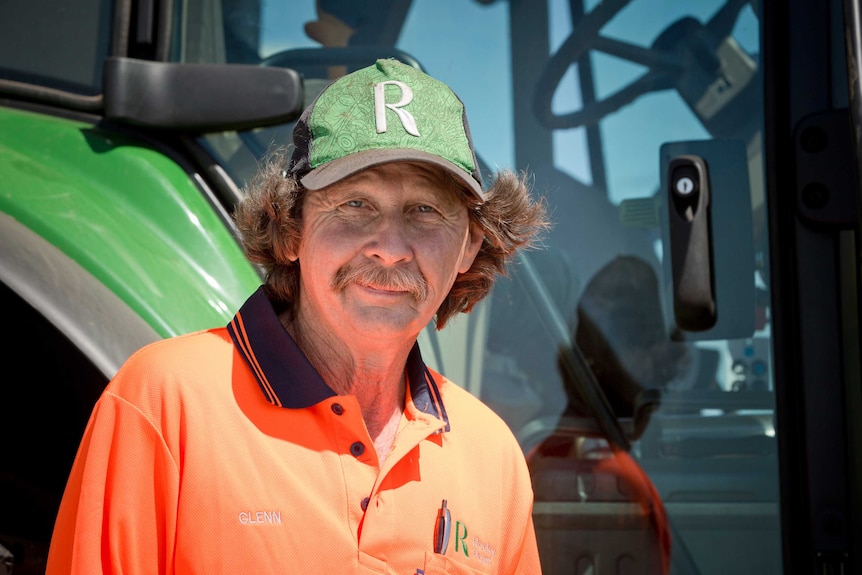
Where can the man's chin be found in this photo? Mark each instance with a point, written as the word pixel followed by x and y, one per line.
pixel 388 323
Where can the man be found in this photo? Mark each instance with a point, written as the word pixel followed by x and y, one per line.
pixel 308 436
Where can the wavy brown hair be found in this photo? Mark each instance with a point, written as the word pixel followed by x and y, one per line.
pixel 269 220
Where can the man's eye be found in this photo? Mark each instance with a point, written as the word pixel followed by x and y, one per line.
pixel 425 209
pixel 354 203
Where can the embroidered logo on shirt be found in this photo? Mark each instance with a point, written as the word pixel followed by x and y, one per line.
pixel 259 517
pixel 472 546
pixel 483 552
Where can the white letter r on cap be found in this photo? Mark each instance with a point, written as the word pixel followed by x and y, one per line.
pixel 380 105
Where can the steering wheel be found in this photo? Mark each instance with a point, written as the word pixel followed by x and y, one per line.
pixel 684 45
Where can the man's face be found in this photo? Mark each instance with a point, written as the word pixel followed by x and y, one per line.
pixel 379 253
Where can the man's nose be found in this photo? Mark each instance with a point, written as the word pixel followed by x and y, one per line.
pixel 389 240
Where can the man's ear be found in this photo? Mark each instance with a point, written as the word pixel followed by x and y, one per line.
pixel 474 243
pixel 291 249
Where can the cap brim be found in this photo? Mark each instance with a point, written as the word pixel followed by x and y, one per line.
pixel 338 169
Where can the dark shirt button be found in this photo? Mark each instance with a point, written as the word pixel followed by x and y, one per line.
pixel 337 409
pixel 364 503
pixel 357 449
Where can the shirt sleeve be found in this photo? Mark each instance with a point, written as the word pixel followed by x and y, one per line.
pixel 529 563
pixel 524 558
pixel 118 512
pixel 521 553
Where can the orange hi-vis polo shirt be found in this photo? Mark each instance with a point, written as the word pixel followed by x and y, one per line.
pixel 224 452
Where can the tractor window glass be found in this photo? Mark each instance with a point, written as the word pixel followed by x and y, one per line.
pixel 55 44
pixel 638 382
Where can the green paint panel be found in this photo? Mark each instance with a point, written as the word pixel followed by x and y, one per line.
pixel 128 214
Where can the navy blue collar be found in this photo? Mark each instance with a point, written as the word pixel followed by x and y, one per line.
pixel 285 375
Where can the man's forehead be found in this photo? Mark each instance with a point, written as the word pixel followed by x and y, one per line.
pixel 428 175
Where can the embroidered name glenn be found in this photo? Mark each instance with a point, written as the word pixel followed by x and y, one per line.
pixel 259 517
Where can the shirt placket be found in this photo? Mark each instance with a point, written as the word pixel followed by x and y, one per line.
pixel 381 523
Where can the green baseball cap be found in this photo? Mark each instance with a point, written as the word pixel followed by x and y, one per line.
pixel 387 112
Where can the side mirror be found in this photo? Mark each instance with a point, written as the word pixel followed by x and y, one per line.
pixel 199 98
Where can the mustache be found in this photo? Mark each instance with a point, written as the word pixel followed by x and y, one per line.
pixel 393 279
